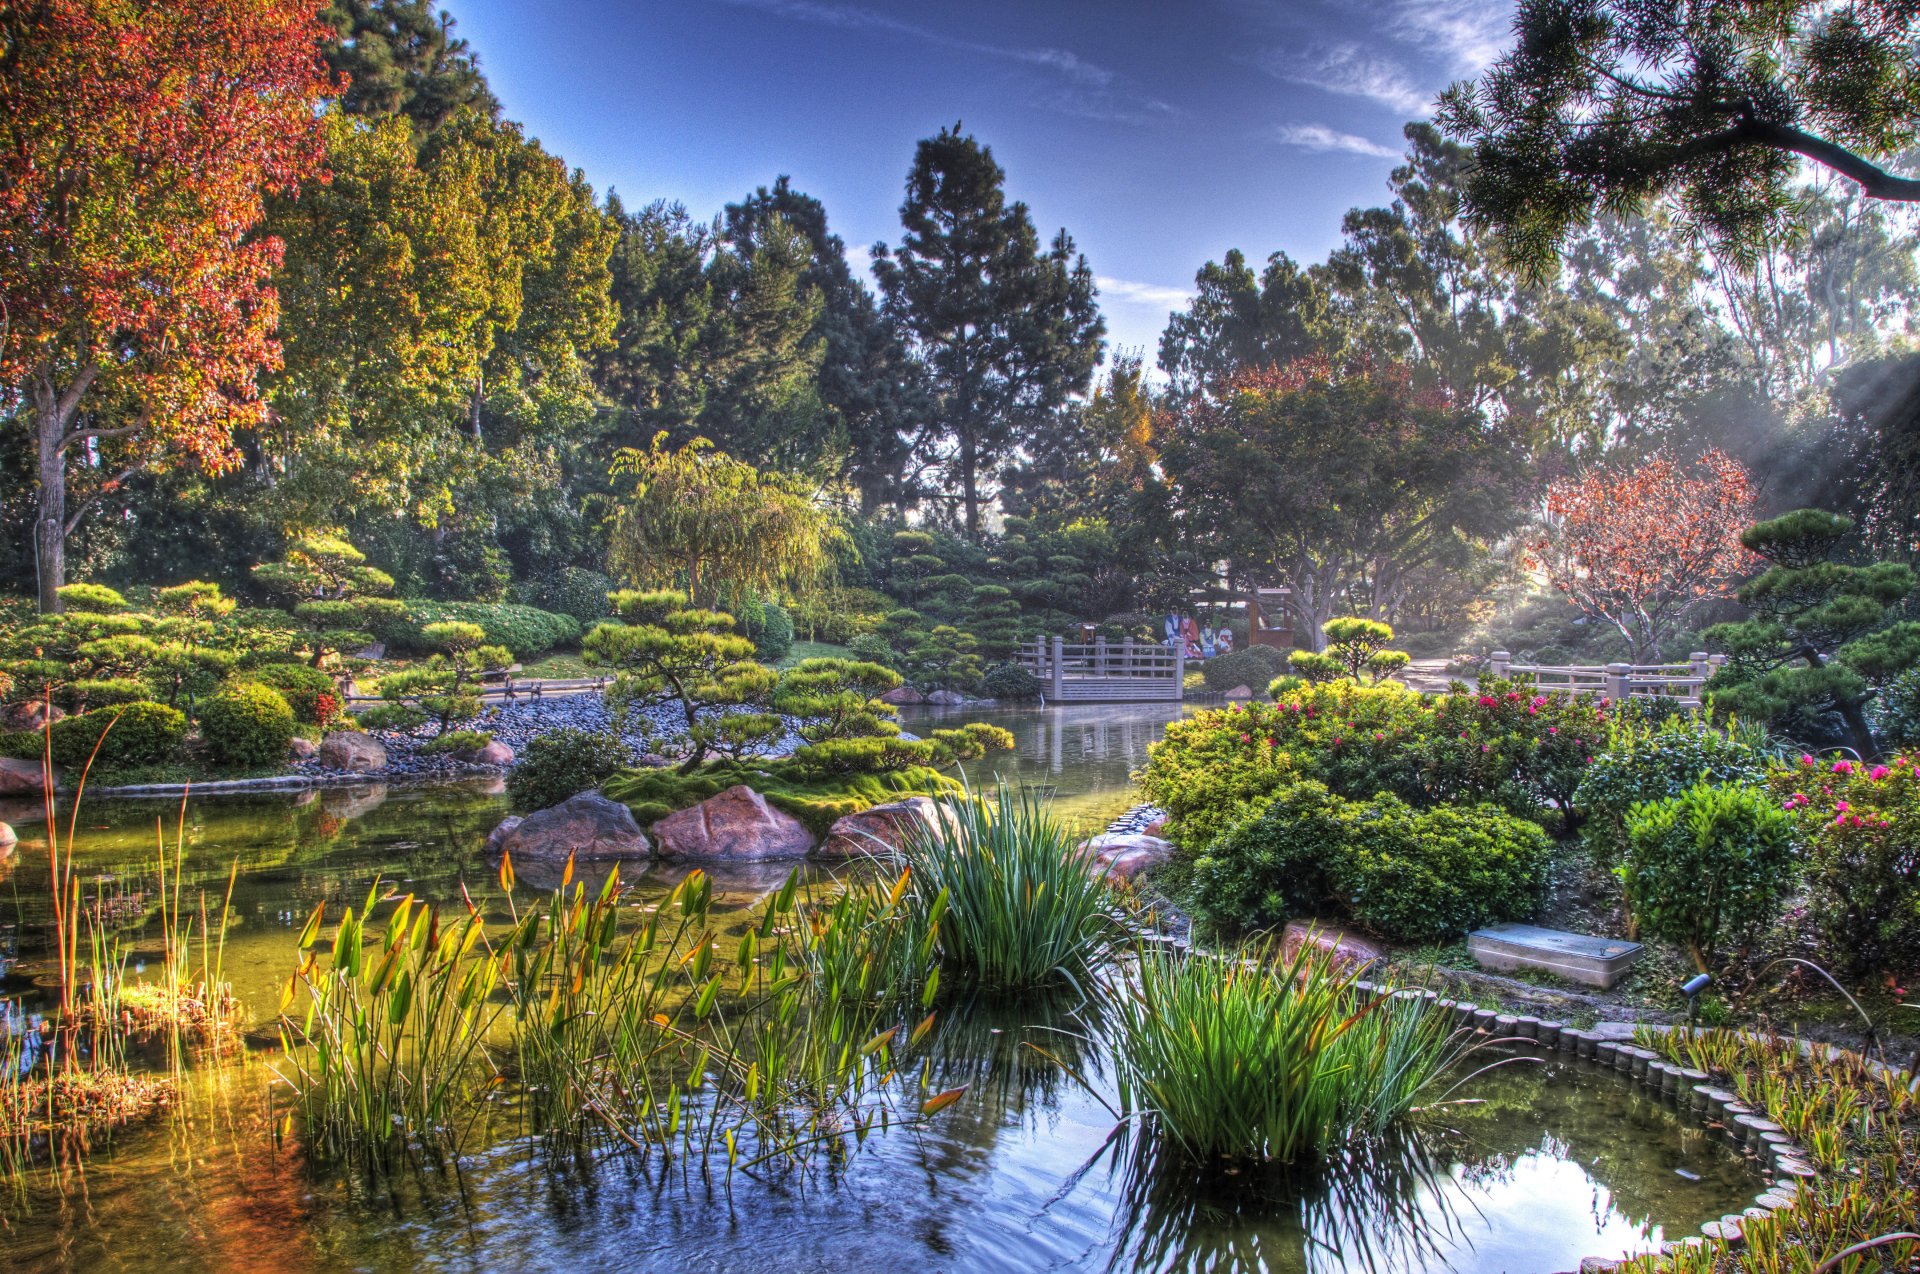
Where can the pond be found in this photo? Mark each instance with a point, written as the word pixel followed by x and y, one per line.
pixel 1537 1165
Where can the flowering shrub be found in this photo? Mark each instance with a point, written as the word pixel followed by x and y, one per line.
pixel 1412 875
pixel 1512 746
pixel 1860 834
pixel 1207 767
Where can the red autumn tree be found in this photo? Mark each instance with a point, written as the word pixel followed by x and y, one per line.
pixel 138 141
pixel 1643 547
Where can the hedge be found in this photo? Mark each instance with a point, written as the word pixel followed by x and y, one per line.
pixel 525 630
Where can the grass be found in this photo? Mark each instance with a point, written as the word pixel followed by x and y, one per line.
pixel 1245 1057
pixel 1021 908
pixel 812 650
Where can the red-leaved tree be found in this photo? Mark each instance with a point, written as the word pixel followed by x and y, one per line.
pixel 1642 547
pixel 138 141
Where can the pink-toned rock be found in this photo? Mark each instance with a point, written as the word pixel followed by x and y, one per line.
pixel 736 825
pixel 587 826
pixel 1348 951
pixel 495 753
pixel 1123 856
pixel 1240 694
pixel 302 749
pixel 352 751
pixel 22 778
pixel 880 831
pixel 31 715
pixel 8 838
pixel 903 694
pixel 1157 827
pixel 504 829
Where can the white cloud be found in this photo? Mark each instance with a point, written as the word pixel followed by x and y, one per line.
pixel 1321 139
pixel 1470 34
pixel 1349 69
pixel 1128 292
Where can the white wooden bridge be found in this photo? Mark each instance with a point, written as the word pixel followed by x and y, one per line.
pixel 1101 671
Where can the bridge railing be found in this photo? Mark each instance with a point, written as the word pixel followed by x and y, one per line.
pixel 1102 669
pixel 1678 681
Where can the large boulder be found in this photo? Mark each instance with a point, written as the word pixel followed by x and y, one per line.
pixel 1122 856
pixel 903 694
pixel 22 778
pixel 1240 694
pixel 1348 951
pixel 31 715
pixel 505 828
pixel 8 839
pixel 586 826
pixel 946 698
pixel 882 830
pixel 736 825
pixel 353 751
pixel 494 753
pixel 302 749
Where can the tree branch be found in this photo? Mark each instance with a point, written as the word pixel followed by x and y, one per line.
pixel 1875 181
pixel 87 504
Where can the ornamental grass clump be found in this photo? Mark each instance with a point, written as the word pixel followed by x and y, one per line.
pixel 1250 1056
pixel 1023 909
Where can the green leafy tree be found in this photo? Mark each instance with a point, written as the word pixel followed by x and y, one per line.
pixel 1007 331
pixel 329 587
pixel 1820 638
pixel 446 688
pixel 1714 103
pixel 1239 320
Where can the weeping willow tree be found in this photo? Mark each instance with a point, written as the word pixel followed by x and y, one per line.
pixel 699 519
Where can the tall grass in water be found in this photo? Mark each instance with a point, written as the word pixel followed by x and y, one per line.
pixel 1250 1057
pixel 1022 908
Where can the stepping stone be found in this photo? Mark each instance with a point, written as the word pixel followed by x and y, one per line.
pixel 1596 962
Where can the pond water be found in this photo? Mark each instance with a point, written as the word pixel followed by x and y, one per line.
pixel 1539 1166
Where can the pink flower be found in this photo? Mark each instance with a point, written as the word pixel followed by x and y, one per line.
pixel 1879 772
pixel 1842 806
pixel 1843 767
pixel 1484 747
pixel 1246 738
pixel 1805 759
pixel 1553 729
pixel 1533 710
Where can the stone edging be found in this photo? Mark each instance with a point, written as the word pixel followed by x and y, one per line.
pixel 1784 1162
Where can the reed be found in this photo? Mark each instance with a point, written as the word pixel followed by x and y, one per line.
pixel 1016 902
pixel 1253 1057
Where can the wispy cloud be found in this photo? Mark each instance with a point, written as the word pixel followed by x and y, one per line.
pixel 1086 88
pixel 1129 292
pixel 1320 138
pixel 1468 34
pixel 1347 68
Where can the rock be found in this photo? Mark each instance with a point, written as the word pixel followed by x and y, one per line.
pixel 353 751
pixel 378 650
pixel 1347 950
pixel 1157 827
pixel 903 694
pixel 1123 856
pixel 354 801
pixel 587 826
pixel 1240 694
pixel 22 778
pixel 946 698
pixel 505 828
pixel 8 838
pixel 651 761
pixel 495 753
pixel 737 825
pixel 880 831
pixel 31 715
pixel 303 749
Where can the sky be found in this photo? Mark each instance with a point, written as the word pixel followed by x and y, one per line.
pixel 1160 135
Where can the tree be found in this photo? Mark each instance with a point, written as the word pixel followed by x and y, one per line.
pixel 1820 638
pixel 1007 332
pixel 445 687
pixel 1644 546
pixel 137 146
pixel 328 585
pixel 1604 104
pixel 1340 480
pixel 1238 321
pixel 399 57
pixel 718 524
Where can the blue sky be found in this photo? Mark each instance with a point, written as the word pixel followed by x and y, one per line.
pixel 1159 134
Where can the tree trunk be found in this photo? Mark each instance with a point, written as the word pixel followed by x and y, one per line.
pixel 970 483
pixel 50 522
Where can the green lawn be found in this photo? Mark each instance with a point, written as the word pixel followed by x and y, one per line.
pixel 813 650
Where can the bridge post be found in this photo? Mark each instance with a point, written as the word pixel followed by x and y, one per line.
pixel 1619 682
pixel 1127 666
pixel 1099 656
pixel 1498 664
pixel 1179 671
pixel 1056 685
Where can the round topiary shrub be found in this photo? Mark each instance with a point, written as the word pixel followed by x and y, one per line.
pixel 127 735
pixel 1714 862
pixel 311 694
pixel 1253 667
pixel 562 763
pixel 1010 682
pixel 246 724
pixel 871 648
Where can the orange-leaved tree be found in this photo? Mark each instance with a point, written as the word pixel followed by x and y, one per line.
pixel 1641 547
pixel 138 140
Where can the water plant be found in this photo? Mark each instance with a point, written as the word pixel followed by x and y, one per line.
pixel 1257 1055
pixel 1016 903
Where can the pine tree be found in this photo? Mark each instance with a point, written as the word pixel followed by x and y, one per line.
pixel 402 58
pixel 1008 332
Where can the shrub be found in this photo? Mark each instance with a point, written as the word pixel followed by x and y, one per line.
pixel 128 735
pixel 1860 832
pixel 458 741
pixel 560 763
pixel 1712 862
pixel 871 648
pixel 1206 767
pixel 524 630
pixel 818 800
pixel 1650 762
pixel 1895 713
pixel 246 724
pixel 771 630
pixel 1253 667
pixel 579 593
pixel 1509 745
pixel 1411 875
pixel 1010 682
pixel 311 694
pixel 107 691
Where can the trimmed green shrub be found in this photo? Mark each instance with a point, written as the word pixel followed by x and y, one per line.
pixel 818 800
pixel 107 691
pixel 579 593
pixel 871 648
pixel 525 630
pixel 1253 667
pixel 246 724
pixel 311 694
pixel 1713 862
pixel 1651 762
pixel 1010 682
pixel 1406 874
pixel 562 763
pixel 1206 768
pixel 770 629
pixel 134 734
pixel 458 741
